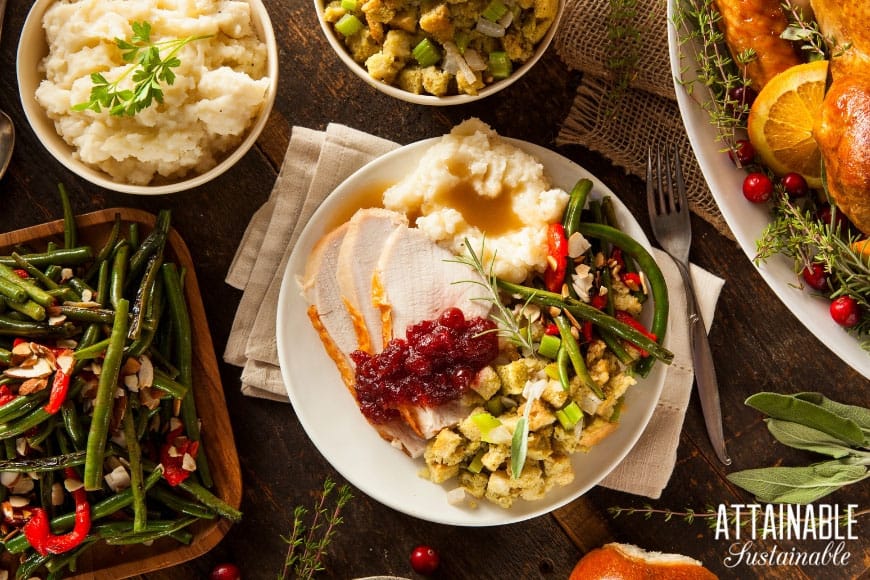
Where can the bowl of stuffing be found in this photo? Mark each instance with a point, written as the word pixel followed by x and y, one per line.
pixel 439 54
pixel 145 98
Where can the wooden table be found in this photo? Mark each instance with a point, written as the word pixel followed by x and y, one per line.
pixel 757 343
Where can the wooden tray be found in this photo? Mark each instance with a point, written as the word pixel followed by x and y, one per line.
pixel 104 562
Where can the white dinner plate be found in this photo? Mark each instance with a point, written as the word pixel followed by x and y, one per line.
pixel 338 429
pixel 748 220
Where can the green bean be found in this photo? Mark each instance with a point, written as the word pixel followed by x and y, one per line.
pixel 562 367
pixel 99 510
pixel 29 309
pixel 10 326
pixel 575 356
pixel 61 257
pixel 45 430
pixel 87 339
pixel 211 501
pixel 14 292
pixel 57 563
pixel 184 357
pixel 80 286
pixel 44 464
pixel 133 235
pixel 52 287
pixel 30 565
pixel 102 297
pixel 576 203
pixel 120 269
pixel 81 314
pixel 152 244
pixel 654 276
pixel 143 294
pixel 584 311
pixel 107 249
pixel 166 384
pixel 70 415
pixel 174 502
pixel 92 351
pixel 149 535
pixel 70 232
pixel 105 394
pixel 153 313
pixel 5 356
pixel 21 405
pixel 134 457
pixel 35 417
pixel 35 293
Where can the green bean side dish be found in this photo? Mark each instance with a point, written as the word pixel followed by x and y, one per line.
pixel 99 430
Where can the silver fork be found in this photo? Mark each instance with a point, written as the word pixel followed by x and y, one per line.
pixel 669 216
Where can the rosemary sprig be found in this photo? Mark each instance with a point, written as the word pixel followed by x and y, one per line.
pixel 308 542
pixel 508 327
pixel 149 70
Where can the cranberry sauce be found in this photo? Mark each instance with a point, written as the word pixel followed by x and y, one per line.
pixel 435 363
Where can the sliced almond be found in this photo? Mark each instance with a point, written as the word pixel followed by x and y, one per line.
pixel 18 501
pixel 146 371
pixel 72 484
pixel 31 386
pixel 130 366
pixel 40 368
pixel 132 383
pixel 56 494
pixel 66 361
pixel 188 463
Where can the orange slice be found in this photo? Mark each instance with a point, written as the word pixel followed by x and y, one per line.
pixel 781 121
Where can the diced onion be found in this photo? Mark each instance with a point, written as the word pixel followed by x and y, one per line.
pixel 590 403
pixel 454 63
pixel 507 19
pixel 489 28
pixel 474 60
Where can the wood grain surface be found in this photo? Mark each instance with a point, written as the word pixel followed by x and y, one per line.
pixel 756 342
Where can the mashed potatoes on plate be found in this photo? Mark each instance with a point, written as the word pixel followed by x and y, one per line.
pixel 472 184
pixel 220 86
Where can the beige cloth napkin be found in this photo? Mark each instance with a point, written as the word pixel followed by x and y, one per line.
pixel 622 124
pixel 315 163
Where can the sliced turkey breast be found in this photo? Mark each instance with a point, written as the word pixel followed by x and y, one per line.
pixel 326 308
pixel 367 232
pixel 415 279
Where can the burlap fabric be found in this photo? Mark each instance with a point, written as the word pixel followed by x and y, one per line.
pixel 622 125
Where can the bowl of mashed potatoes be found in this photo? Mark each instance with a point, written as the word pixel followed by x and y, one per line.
pixel 439 53
pixel 80 68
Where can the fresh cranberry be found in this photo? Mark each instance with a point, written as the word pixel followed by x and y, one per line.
pixel 845 311
pixel 757 187
pixel 795 185
pixel 815 276
pixel 827 213
pixel 225 572
pixel 424 560
pixel 743 152
pixel 743 97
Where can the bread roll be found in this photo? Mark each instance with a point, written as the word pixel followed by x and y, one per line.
pixel 627 562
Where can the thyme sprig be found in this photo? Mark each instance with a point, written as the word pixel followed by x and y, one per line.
pixel 307 543
pixel 710 515
pixel 508 327
pixel 797 233
pixel 717 73
pixel 148 67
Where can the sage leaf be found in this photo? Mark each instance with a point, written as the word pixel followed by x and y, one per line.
pixel 803 437
pixel 799 485
pixel 519 447
pixel 861 415
pixel 790 408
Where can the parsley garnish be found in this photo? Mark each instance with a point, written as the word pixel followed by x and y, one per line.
pixel 149 70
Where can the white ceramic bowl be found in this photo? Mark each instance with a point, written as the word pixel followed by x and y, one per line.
pixel 32 48
pixel 360 71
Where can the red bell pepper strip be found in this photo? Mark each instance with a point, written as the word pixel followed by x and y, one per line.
pixel 37 530
pixel 173 463
pixel 59 388
pixel 6 395
pixel 627 318
pixel 557 253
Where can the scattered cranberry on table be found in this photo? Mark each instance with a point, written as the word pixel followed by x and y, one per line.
pixel 424 560
pixel 757 187
pixel 845 311
pixel 225 572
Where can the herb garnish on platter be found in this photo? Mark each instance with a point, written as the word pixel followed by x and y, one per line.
pixel 149 69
